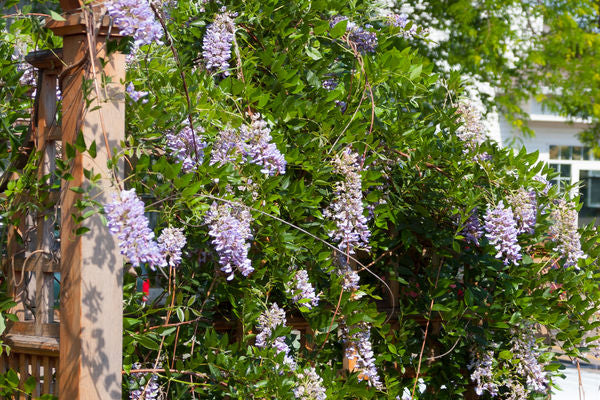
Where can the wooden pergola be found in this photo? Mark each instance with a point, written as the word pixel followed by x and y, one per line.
pixel 75 351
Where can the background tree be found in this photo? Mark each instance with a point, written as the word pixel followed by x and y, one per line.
pixel 547 50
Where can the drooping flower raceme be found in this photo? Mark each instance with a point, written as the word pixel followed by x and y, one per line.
pixel 170 243
pixel 126 219
pixel 227 147
pixel 524 204
pixel 357 339
pixel 472 131
pixel 347 208
pixel 266 324
pixel 258 148
pixel 524 349
pixel 364 40
pixel 187 147
pixel 401 20
pixel 253 142
pixel 303 293
pixel 564 232
pixel 309 385
pixel 350 278
pixel 135 18
pixel 501 231
pixel 148 388
pixel 230 230
pixel 516 390
pixel 135 94
pixel 330 84
pixel 482 374
pixel 472 230
pixel 217 42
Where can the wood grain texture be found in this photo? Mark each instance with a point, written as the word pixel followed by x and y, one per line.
pixel 91 265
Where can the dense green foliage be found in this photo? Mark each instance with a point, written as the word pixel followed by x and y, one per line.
pixel 418 176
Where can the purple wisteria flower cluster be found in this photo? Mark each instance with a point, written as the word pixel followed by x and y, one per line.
pixel 302 292
pixel 357 339
pixel 330 84
pixel 126 219
pixel 29 76
pixel 258 146
pixel 483 375
pixel 266 324
pixel 472 131
pixel 472 230
pixel 217 42
pixel 524 204
pixel 187 147
pixel 309 385
pixel 251 141
pixel 501 231
pixel 350 278
pixel 524 349
pixel 135 18
pixel 170 243
pixel 401 21
pixel 136 95
pixel 347 208
pixel 545 181
pixel 149 388
pixel 516 390
pixel 226 147
pixel 364 40
pixel 564 232
pixel 230 229
pixel 523 366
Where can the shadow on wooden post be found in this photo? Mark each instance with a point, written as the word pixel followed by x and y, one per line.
pixel 91 266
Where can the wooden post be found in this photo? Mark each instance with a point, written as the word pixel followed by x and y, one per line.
pixel 91 266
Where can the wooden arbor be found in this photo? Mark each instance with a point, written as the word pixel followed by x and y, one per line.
pixel 75 352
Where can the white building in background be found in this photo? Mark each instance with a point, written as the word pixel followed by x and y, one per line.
pixel 556 139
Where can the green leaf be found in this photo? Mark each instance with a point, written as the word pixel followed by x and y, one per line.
pixel 313 53
pixel 440 307
pixel 82 230
pixel 77 189
pixel 30 384
pixel 80 142
pixel 505 355
pixel 339 29
pixel 56 16
pixel 92 149
pixel 146 342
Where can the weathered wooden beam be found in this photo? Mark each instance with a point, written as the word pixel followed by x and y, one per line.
pixel 45 346
pixel 49 60
pixel 75 25
pixel 49 330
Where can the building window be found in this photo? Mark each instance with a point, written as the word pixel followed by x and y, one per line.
pixel 577 165
pixel 564 179
pixel 571 153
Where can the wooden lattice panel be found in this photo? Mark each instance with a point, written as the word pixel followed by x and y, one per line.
pixel 33 356
pixel 32 264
